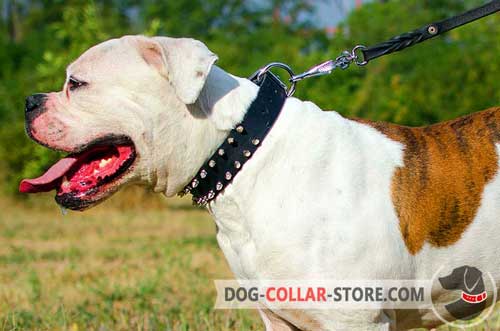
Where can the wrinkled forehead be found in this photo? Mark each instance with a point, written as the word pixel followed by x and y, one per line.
pixel 106 57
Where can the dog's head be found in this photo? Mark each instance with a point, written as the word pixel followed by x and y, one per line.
pixel 466 278
pixel 123 101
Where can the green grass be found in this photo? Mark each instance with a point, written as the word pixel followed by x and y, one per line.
pixel 112 268
pixel 136 262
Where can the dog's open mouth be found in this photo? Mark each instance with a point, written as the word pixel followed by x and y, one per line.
pixel 80 177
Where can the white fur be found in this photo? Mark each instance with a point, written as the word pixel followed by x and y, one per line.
pixel 313 202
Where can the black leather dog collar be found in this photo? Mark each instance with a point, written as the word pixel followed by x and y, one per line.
pixel 242 142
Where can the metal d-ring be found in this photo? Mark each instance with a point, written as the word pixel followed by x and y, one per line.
pixel 355 56
pixel 258 75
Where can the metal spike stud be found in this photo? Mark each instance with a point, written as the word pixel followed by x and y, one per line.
pixel 237 164
pixel 220 152
pixel 247 153
pixel 230 140
pixel 255 141
pixel 211 163
pixel 240 129
pixel 219 186
pixel 228 175
pixel 211 195
pixel 194 183
pixel 203 173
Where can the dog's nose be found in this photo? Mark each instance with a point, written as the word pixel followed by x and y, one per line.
pixel 34 101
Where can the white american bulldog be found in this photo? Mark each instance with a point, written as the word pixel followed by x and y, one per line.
pixel 323 197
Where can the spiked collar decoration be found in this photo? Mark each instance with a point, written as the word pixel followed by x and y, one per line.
pixel 241 143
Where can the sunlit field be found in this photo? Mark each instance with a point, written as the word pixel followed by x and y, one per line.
pixel 115 267
pixel 137 262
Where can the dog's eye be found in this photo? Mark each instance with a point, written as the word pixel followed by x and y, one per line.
pixel 74 83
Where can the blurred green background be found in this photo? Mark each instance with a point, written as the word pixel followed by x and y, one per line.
pixel 139 262
pixel 437 80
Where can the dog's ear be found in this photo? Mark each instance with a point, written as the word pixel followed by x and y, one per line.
pixel 184 62
pixel 472 277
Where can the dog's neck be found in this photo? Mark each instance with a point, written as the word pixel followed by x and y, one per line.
pixel 222 104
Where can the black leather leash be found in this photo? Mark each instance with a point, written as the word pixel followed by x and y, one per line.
pixel 429 31
pixel 241 143
pixel 361 55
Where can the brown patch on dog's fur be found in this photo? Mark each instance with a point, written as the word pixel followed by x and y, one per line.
pixel 437 192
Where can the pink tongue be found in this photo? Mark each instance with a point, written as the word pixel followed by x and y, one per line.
pixel 49 180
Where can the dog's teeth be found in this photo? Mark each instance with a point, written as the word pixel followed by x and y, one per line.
pixel 104 162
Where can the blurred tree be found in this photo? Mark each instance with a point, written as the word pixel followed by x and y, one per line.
pixel 434 81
